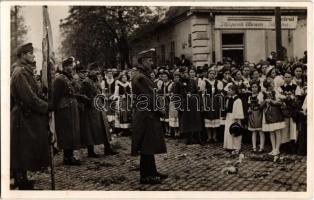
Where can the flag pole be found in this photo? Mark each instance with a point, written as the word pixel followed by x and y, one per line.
pixel 52 174
pixel 49 65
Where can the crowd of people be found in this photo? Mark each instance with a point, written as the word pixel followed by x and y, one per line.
pixel 198 104
pixel 263 98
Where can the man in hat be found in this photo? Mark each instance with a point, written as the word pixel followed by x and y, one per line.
pixel 29 120
pixel 65 106
pixel 147 137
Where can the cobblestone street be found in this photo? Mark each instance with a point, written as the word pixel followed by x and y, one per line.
pixel 193 168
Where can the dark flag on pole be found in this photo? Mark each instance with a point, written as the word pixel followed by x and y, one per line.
pixel 47 48
pixel 47 67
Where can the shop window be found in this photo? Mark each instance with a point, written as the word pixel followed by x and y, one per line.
pixel 233 47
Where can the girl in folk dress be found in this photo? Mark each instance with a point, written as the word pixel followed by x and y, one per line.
pixel 122 95
pixel 109 87
pixel 255 77
pixel 299 80
pixel 212 101
pixel 256 116
pixel 100 82
pixel 273 120
pixel 225 80
pixel 234 114
pixel 165 91
pixel 173 113
pixel 277 78
pixel 290 94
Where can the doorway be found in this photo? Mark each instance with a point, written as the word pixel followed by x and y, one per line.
pixel 233 47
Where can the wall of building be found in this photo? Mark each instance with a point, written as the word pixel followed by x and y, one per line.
pixel 300 38
pixel 255 47
pixel 206 41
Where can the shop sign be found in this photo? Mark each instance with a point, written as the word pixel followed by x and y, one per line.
pixel 254 22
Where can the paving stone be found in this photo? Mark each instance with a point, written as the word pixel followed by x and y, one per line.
pixel 199 170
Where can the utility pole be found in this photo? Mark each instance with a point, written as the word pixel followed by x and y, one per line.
pixel 279 48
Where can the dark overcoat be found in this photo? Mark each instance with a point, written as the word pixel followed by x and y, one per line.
pixel 65 105
pixel 147 137
pixel 29 121
pixel 92 129
pixel 189 111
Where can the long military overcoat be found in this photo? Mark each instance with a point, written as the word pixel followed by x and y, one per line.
pixel 65 105
pixel 147 137
pixel 29 121
pixel 92 129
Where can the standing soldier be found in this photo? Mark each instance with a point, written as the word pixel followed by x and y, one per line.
pixel 147 138
pixel 29 120
pixel 93 129
pixel 65 105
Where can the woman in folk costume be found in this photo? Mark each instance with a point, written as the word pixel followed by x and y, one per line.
pixel 246 75
pixel 290 95
pixel 100 82
pixel 234 114
pixel 189 112
pixel 192 74
pixel 212 101
pixel 256 115
pixel 272 73
pixel 122 95
pixel 173 113
pixel 226 79
pixel 165 92
pixel 299 80
pixel 273 120
pixel 109 88
pixel 255 77
pixel 243 92
pixel 264 67
pixel 158 80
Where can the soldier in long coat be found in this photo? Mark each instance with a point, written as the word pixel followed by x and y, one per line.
pixel 93 130
pixel 29 120
pixel 147 137
pixel 65 105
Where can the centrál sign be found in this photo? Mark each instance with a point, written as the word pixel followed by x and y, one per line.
pixel 254 22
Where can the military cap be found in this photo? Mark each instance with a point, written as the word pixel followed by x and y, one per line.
pixel 24 48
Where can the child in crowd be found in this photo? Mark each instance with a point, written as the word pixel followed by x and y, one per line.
pixel 235 113
pixel 273 120
pixel 255 116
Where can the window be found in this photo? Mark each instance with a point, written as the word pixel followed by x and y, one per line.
pixel 233 47
pixel 190 40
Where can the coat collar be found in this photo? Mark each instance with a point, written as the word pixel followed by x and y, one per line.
pixel 26 66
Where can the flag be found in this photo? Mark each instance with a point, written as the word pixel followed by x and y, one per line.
pixel 47 49
pixel 48 65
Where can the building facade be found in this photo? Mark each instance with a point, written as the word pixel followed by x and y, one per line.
pixel 207 35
